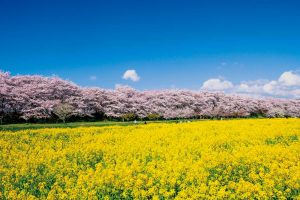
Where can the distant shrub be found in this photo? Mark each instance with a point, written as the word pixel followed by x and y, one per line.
pixel 153 116
pixel 128 117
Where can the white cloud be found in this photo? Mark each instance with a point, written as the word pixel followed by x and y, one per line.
pixel 93 78
pixel 286 86
pixel 296 92
pixel 132 75
pixel 270 87
pixel 243 86
pixel 289 79
pixel 216 84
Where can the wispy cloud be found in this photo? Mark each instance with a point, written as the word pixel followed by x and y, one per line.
pixel 93 78
pixel 223 63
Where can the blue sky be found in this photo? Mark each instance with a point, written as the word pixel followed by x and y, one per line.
pixel 169 44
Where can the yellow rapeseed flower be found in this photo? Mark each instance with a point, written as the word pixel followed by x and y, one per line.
pixel 229 159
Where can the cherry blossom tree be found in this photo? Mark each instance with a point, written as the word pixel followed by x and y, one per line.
pixel 63 111
pixel 37 97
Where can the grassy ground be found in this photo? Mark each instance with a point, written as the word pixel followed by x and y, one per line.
pixel 16 127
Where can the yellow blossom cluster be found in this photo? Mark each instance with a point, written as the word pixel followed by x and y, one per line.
pixel 230 159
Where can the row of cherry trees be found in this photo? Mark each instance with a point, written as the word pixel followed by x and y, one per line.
pixel 36 97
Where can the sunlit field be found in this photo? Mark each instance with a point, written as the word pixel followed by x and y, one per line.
pixel 237 159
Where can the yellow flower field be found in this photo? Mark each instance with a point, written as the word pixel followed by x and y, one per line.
pixel 235 159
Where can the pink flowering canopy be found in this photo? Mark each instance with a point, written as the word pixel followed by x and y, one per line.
pixel 35 97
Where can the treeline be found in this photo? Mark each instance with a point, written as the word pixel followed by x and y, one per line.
pixel 38 98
